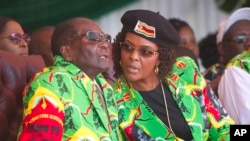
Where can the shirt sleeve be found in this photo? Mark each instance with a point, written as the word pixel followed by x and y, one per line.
pixel 43 115
pixel 216 119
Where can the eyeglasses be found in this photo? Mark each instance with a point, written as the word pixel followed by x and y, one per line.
pixel 144 52
pixel 17 38
pixel 94 37
pixel 239 39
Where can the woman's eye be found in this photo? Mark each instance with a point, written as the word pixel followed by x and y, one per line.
pixel 145 51
pixel 14 39
pixel 128 47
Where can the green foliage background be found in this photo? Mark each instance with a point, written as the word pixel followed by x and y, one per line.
pixel 36 13
pixel 230 5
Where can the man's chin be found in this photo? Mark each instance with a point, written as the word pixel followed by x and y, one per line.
pixel 104 68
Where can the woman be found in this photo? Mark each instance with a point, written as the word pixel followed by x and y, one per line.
pixel 187 38
pixel 186 34
pixel 161 97
pixel 12 37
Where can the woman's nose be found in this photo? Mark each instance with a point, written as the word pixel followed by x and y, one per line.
pixel 23 44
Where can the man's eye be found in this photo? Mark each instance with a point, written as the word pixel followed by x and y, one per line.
pixel 93 38
pixel 241 38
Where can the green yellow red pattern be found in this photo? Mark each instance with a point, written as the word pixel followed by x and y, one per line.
pixel 214 71
pixel 61 103
pixel 202 110
pixel 242 61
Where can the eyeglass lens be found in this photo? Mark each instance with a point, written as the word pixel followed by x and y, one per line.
pixel 96 37
pixel 241 38
pixel 17 38
pixel 144 52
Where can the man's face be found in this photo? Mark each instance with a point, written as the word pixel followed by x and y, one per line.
pixel 91 56
pixel 232 44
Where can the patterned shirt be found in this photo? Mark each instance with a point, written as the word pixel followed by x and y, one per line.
pixel 61 103
pixel 201 109
pixel 242 61
pixel 234 88
pixel 214 71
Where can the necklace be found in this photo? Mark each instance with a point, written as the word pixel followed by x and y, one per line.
pixel 166 108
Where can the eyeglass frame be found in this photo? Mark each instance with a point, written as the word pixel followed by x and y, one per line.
pixel 236 39
pixel 102 35
pixel 24 36
pixel 139 51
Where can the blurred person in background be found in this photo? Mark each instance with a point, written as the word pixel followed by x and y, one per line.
pixel 40 44
pixel 209 53
pixel 12 37
pixel 211 57
pixel 188 38
pixel 233 88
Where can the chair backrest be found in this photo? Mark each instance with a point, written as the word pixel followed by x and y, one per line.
pixel 15 73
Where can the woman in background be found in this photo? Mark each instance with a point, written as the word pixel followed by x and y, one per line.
pixel 187 37
pixel 12 37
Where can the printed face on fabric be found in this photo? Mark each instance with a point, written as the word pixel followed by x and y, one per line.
pixel 13 39
pixel 90 50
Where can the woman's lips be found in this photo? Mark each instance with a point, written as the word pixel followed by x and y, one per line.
pixel 132 69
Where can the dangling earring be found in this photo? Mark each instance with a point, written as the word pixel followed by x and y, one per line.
pixel 156 69
pixel 120 62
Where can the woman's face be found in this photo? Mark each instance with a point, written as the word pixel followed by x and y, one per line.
pixel 139 58
pixel 12 39
pixel 188 40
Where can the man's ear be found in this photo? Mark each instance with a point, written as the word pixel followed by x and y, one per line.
pixel 66 53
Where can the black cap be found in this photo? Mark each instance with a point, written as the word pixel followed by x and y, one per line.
pixel 151 26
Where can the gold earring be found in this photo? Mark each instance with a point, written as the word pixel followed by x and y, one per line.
pixel 156 69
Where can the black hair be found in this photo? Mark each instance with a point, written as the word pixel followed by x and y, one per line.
pixel 178 24
pixel 209 53
pixel 63 33
pixel 3 21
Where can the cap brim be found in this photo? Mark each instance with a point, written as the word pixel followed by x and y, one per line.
pixel 240 14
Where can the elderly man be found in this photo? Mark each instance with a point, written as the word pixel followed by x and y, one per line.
pixel 71 100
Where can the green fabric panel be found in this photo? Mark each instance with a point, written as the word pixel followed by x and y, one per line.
pixel 35 13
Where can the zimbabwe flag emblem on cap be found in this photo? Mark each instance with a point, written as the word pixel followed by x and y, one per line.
pixel 144 29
